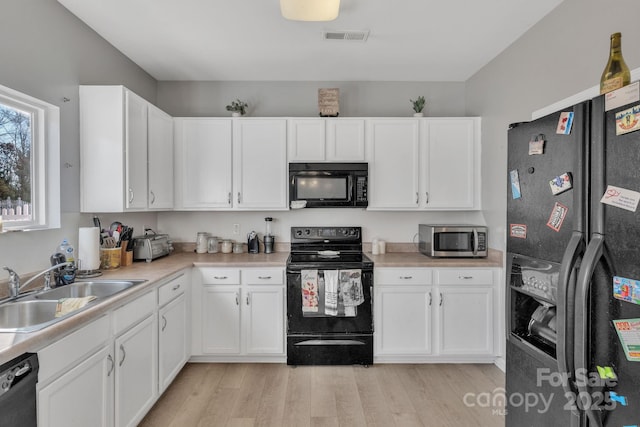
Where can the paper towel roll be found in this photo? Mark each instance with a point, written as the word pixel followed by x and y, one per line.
pixel 88 248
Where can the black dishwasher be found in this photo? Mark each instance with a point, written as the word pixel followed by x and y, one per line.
pixel 18 379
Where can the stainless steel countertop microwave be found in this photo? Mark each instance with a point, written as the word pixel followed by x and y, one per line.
pixel 453 241
pixel 328 185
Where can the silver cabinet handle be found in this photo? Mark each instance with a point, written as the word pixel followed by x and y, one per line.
pixel 429 299
pixel 406 277
pixel 153 197
pixel 113 365
pixel 130 194
pixel 264 277
pixel 465 277
pixel 175 288
pixel 238 197
pixel 237 298
pixel 229 198
pixel 220 277
pixel 248 297
pixel 440 299
pixel 164 325
pixel 124 355
pixel 427 194
pixel 417 197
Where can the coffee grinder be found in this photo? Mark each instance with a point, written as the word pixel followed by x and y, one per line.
pixel 269 240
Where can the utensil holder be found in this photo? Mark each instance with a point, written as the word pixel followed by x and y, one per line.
pixel 110 258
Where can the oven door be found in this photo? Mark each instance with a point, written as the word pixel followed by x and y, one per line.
pixel 358 320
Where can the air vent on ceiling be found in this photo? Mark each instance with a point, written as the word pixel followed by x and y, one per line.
pixel 358 36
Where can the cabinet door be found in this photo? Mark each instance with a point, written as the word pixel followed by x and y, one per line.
pixel 81 397
pixel 465 318
pixel 393 155
pixel 306 140
pixel 263 324
pixel 403 320
pixel 135 151
pixel 172 340
pixel 221 319
pixel 160 154
pixel 136 380
pixel 345 140
pixel 203 163
pixel 449 163
pixel 260 163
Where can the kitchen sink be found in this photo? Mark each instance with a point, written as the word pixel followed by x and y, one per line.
pixel 27 316
pixel 37 311
pixel 97 288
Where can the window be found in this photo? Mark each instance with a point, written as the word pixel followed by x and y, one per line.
pixel 29 162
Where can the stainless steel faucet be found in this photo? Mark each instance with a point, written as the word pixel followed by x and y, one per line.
pixel 14 280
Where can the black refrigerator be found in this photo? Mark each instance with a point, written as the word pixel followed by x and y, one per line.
pixel 573 267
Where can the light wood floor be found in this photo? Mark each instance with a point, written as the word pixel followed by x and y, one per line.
pixel 221 394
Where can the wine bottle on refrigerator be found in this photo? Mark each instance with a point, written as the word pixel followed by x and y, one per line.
pixel 616 74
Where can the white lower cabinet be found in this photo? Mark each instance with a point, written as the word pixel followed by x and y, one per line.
pixel 424 314
pixel 240 314
pixel 172 340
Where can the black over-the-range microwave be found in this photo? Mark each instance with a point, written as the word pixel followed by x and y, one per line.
pixel 328 185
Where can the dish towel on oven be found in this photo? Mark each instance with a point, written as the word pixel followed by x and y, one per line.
pixel 309 280
pixel 351 290
pixel 331 292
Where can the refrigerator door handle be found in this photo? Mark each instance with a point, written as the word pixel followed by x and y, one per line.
pixel 565 312
pixel 595 251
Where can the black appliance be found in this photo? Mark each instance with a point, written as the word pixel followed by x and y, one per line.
pixel 328 332
pixel 329 185
pixel 564 250
pixel 18 380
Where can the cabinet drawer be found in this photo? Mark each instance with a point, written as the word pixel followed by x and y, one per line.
pixel 464 277
pixel 171 290
pixel 220 276
pixel 130 314
pixel 263 276
pixel 403 276
pixel 67 350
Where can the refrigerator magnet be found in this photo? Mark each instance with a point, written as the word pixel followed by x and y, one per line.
pixel 518 231
pixel 565 122
pixel 536 145
pixel 626 289
pixel 629 335
pixel 621 198
pixel 628 120
pixel 561 183
pixel 606 373
pixel 558 214
pixel 515 184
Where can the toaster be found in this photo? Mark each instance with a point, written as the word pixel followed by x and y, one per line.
pixel 151 246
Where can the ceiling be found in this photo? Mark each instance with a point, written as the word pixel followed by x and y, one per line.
pixel 409 40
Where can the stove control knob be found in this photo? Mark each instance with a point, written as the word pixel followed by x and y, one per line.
pixel 307 232
pixel 352 232
pixel 299 233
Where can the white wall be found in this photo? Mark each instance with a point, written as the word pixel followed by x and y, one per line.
pixel 562 55
pixel 47 53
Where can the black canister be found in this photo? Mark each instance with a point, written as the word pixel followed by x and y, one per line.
pixel 252 243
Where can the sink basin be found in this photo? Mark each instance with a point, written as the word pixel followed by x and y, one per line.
pixel 97 288
pixel 27 316
pixel 37 311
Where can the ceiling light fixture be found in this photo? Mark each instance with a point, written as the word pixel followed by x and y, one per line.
pixel 310 10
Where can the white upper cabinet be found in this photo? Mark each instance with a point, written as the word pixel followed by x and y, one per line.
pixel 393 153
pixel 160 146
pixel 450 154
pixel 319 140
pixel 260 171
pixel 115 127
pixel 203 152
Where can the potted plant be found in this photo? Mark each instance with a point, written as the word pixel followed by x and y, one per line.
pixel 418 105
pixel 238 108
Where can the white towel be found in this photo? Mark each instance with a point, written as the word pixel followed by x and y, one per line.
pixel 309 281
pixel 331 292
pixel 351 291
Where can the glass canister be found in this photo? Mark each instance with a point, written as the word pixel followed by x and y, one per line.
pixel 226 246
pixel 202 240
pixel 238 248
pixel 212 245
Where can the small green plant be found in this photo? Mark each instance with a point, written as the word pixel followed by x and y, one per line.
pixel 418 104
pixel 238 106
